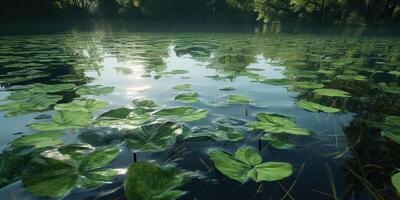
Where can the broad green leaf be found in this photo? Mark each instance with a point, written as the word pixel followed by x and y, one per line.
pixel 307 85
pixel 314 107
pixel 146 180
pixel 247 163
pixel 209 133
pixel 144 103
pixel 390 128
pixel 272 171
pixel 396 181
pixel 44 88
pixel 52 174
pixel 94 90
pixel 332 92
pixel 248 156
pixel 50 177
pixel 153 137
pixel 227 89
pixel 277 142
pixel 98 158
pixel 86 105
pixel 66 120
pixel 237 99
pixel 187 97
pixel 37 102
pixel 182 114
pixel 183 87
pixel 229 166
pixel 282 81
pixel 38 140
pixel 124 116
pixel 391 90
pixel 272 123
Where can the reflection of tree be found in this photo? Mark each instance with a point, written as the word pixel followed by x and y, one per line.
pixel 52 59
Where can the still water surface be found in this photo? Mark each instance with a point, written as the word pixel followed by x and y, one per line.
pixel 344 157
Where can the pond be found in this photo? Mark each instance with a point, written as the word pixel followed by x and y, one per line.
pixel 139 115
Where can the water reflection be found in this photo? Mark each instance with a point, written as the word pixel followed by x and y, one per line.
pixel 345 158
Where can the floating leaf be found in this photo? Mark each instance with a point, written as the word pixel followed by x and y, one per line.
pixel 332 93
pixel 38 140
pixel 209 133
pixel 282 81
pixel 182 114
pixel 153 137
pixel 277 142
pixel 144 103
pixel 272 123
pixel 396 181
pixel 227 89
pixel 307 85
pixel 146 180
pixel 66 120
pixel 124 116
pixel 52 174
pixel 390 128
pixel 314 107
pixel 44 88
pixel 94 90
pixel 183 87
pixel 37 102
pixel 187 97
pixel 86 105
pixel 247 163
pixel 391 90
pixel 237 99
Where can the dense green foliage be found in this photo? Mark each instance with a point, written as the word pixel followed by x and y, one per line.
pixel 321 12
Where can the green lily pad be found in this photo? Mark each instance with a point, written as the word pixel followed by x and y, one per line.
pixel 44 88
pixel 391 90
pixel 183 87
pixel 272 123
pixel 187 97
pixel 124 116
pixel 332 92
pixel 178 71
pixel 209 133
pixel 227 89
pixel 277 142
pixel 53 174
pixel 396 181
pixel 94 90
pixel 86 105
pixel 144 103
pixel 390 128
pixel 182 114
pixel 153 137
pixel 237 99
pixel 277 82
pixel 66 120
pixel 315 107
pixel 38 140
pixel 247 164
pixel 37 102
pixel 307 85
pixel 147 180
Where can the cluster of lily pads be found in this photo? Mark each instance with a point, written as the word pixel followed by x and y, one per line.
pixel 50 167
pixel 328 78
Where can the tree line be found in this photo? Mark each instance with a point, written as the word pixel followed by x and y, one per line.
pixel 323 12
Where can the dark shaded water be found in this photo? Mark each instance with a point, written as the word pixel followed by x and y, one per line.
pixel 345 156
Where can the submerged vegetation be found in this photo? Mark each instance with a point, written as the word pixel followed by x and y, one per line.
pixel 260 117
